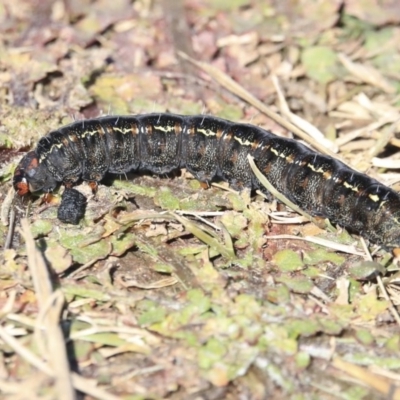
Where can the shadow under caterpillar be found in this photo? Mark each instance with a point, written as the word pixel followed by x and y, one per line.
pixel 210 148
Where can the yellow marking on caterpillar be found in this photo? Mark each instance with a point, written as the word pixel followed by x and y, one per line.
pixel 122 130
pixel 348 186
pixel 165 129
pixel 90 133
pixel 320 170
pixel 374 197
pixel 44 156
pixel 206 132
pixel 276 152
pixel 244 143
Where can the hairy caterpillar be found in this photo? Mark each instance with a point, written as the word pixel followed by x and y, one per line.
pixel 210 148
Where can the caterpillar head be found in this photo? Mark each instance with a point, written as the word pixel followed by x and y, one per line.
pixel 31 176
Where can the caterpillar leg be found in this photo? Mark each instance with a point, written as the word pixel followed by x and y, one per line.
pixel 94 186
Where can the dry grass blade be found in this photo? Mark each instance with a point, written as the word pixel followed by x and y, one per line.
pixel 86 386
pixel 226 250
pixel 385 294
pixel 383 139
pixel 38 269
pixel 154 285
pixel 388 162
pixel 229 84
pixel 56 346
pixel 6 207
pixel 96 328
pixel 26 354
pixel 322 242
pixel 8 306
pixel 277 218
pixel 350 136
pixel 10 232
pixel 198 215
pixel 127 220
pixel 382 372
pixel 306 126
pixel 368 378
pixel 366 74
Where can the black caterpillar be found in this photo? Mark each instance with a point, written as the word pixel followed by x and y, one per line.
pixel 210 148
